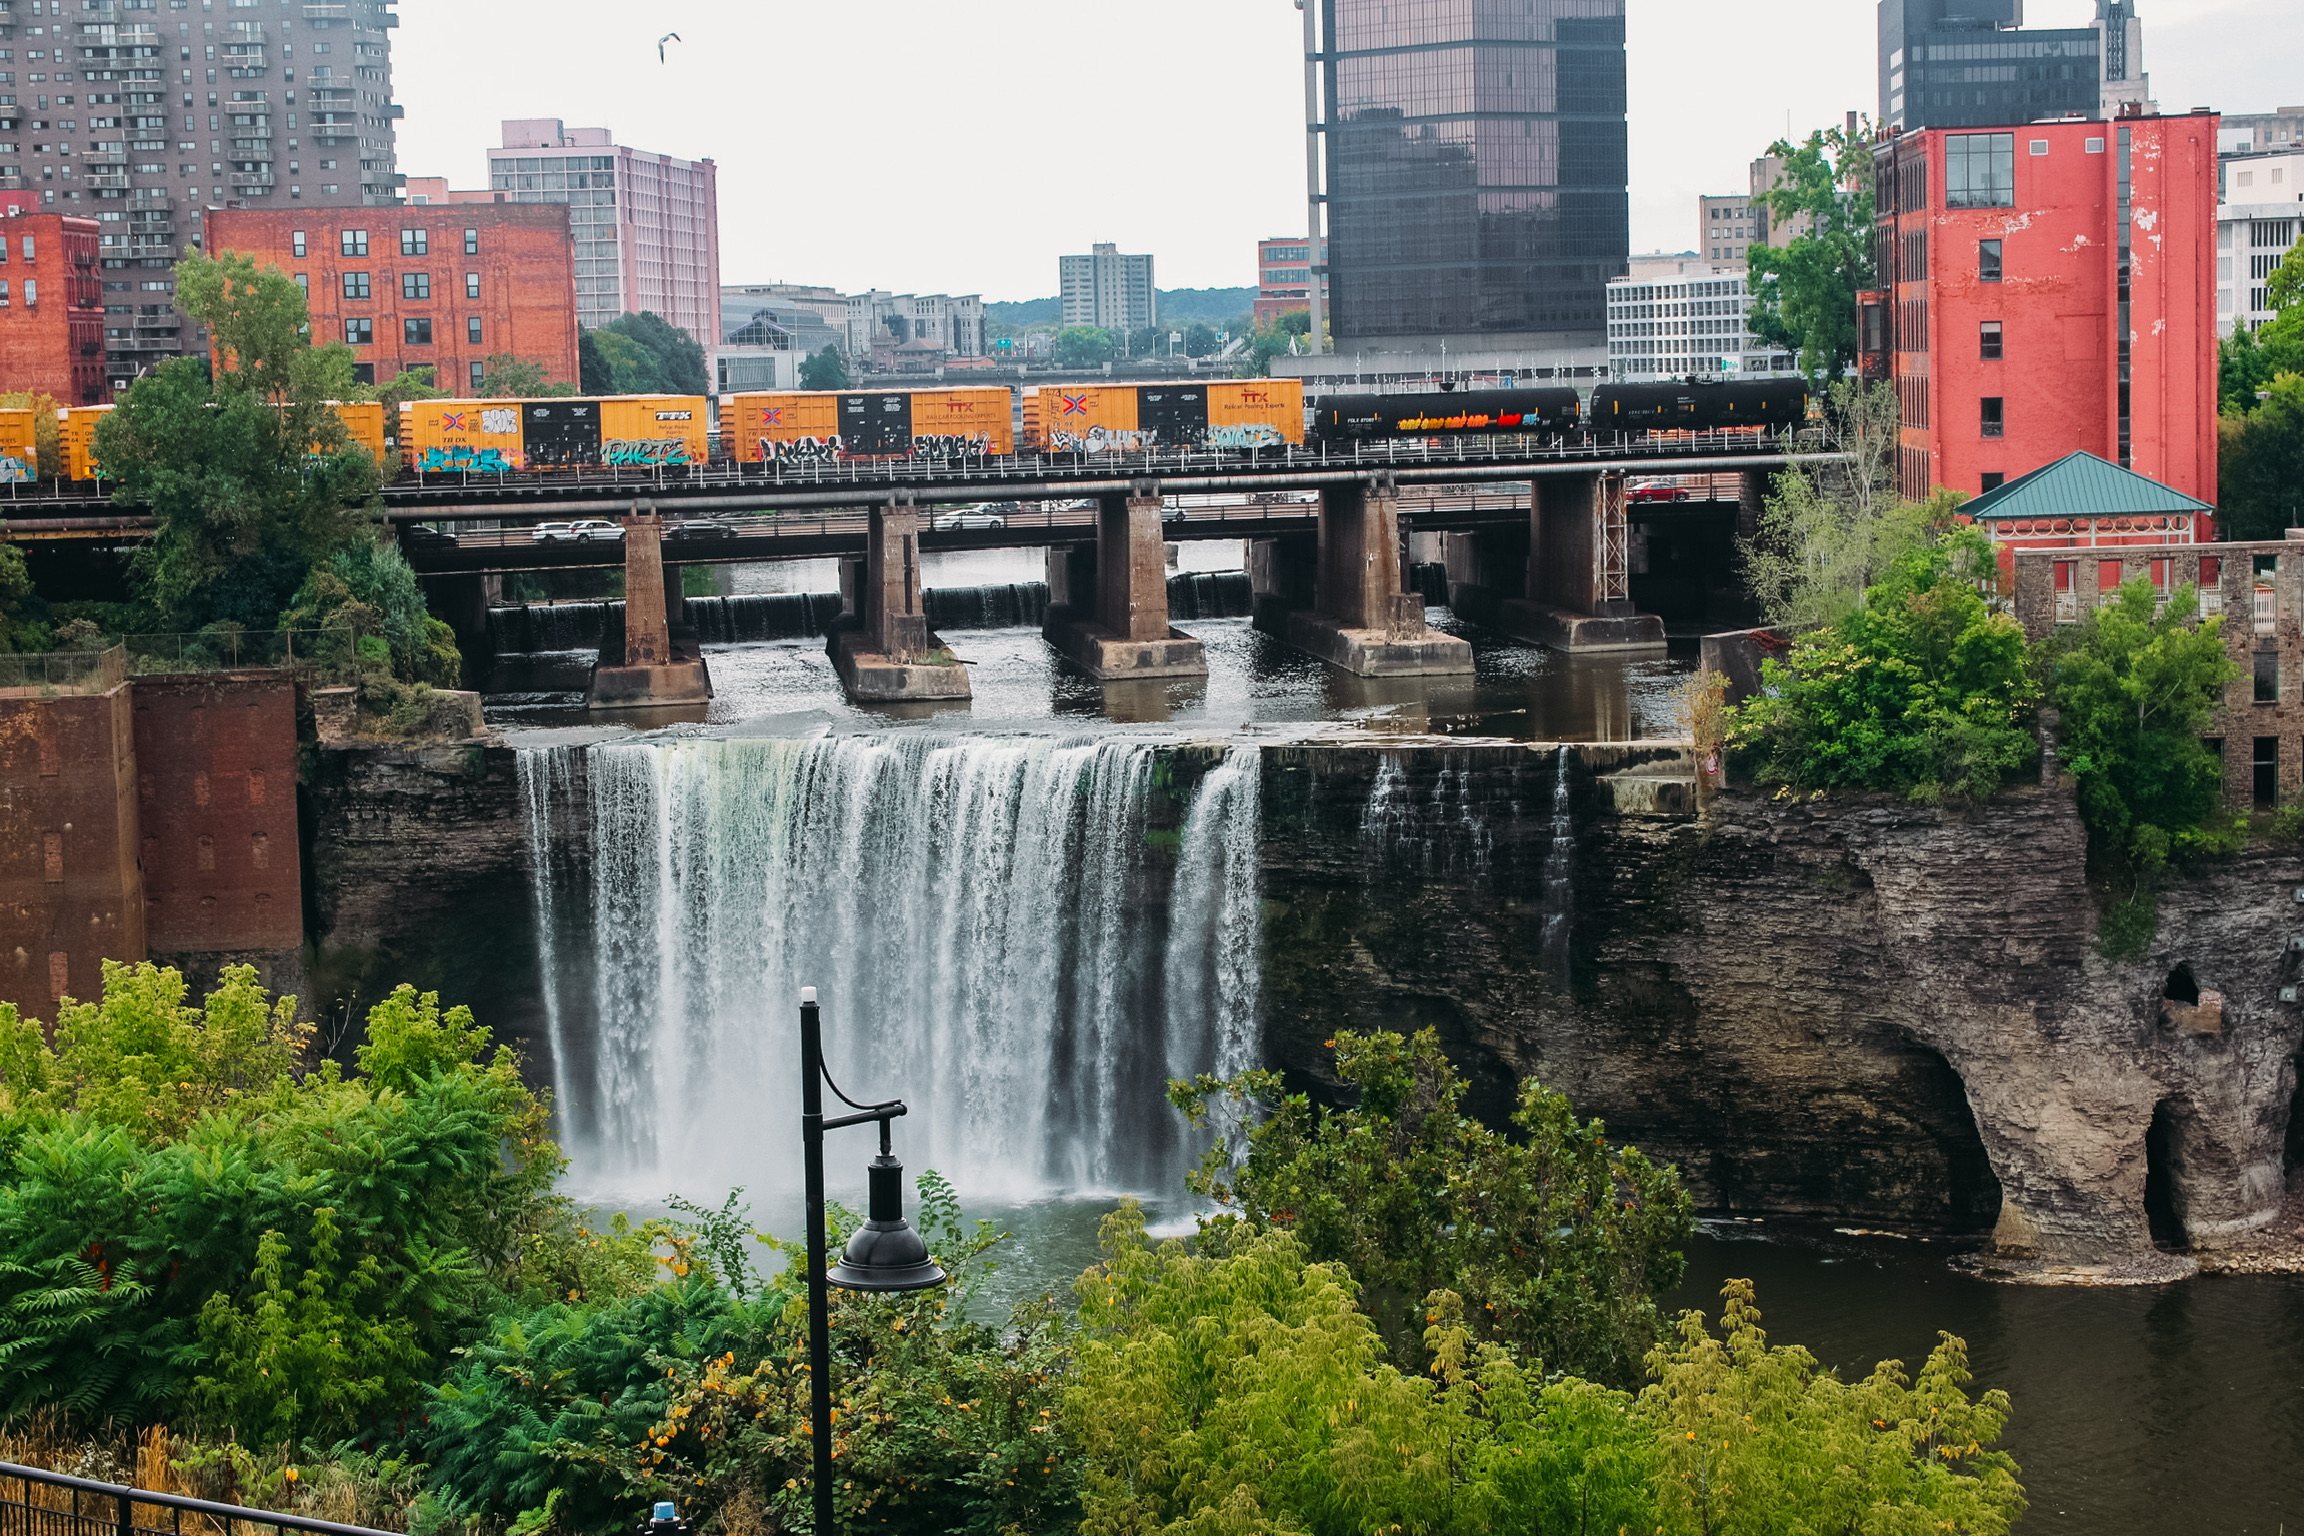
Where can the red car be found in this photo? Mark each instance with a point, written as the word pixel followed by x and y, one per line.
pixel 1654 490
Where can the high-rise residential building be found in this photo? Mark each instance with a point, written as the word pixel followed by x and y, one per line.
pixel 1109 290
pixel 1475 171
pixel 2049 289
pixel 1973 64
pixel 425 286
pixel 647 226
pixel 1728 227
pixel 51 306
pixel 143 118
pixel 1284 277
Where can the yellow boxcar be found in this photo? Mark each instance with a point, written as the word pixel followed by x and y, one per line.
pixel 1124 418
pixel 498 436
pixel 364 419
pixel 19 446
pixel 797 426
pixel 76 427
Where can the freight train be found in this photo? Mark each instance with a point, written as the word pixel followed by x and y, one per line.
pixel 1218 414
pixel 1617 410
pixel 76 434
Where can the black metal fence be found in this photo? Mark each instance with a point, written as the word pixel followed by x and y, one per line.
pixel 39 1503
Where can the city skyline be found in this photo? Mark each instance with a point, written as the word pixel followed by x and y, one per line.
pixel 1706 96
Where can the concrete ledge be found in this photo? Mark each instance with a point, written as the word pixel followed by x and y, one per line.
pixel 1637 634
pixel 872 678
pixel 1374 652
pixel 1107 658
pixel 686 681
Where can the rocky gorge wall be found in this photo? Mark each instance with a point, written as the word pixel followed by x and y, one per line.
pixel 1854 1007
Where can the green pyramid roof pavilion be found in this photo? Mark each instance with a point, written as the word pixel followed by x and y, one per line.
pixel 2081 485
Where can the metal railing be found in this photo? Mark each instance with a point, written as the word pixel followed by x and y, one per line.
pixel 66 671
pixel 35 1502
pixel 229 650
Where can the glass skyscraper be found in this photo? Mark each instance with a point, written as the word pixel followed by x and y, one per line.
pixel 1476 162
pixel 1971 64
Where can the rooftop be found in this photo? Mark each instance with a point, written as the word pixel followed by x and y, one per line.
pixel 2081 485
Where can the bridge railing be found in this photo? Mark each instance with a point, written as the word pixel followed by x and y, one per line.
pixel 37 1502
pixel 227 648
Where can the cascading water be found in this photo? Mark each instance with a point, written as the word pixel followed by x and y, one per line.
pixel 999 929
pixel 1558 881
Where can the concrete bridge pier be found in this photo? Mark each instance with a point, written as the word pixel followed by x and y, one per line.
pixel 883 648
pixel 1360 617
pixel 656 670
pixel 1108 602
pixel 1486 569
pixel 1579 580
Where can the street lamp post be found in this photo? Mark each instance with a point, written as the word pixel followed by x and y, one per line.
pixel 884 1255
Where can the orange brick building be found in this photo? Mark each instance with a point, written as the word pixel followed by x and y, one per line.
pixel 419 286
pixel 51 308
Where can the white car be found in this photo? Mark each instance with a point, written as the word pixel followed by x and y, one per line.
pixel 984 514
pixel 589 530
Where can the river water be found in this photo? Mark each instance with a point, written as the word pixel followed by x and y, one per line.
pixel 1019 920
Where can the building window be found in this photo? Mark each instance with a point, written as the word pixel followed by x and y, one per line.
pixel 418 331
pixel 1987 261
pixel 415 242
pixel 2211 585
pixel 1980 170
pixel 356 285
pixel 471 242
pixel 1993 480
pixel 415 285
pixel 2067 599
pixel 353 242
pixel 2107 579
pixel 2267 767
pixel 471 285
pixel 296 245
pixel 479 376
pixel 304 282
pixel 1989 341
pixel 1995 416
pixel 359 332
pixel 472 329
pixel 31 293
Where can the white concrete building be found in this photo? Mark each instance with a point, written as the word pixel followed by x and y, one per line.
pixel 1109 290
pixel 1678 316
pixel 2251 240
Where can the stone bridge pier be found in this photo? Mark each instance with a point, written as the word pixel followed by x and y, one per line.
pixel 882 648
pixel 660 666
pixel 1108 601
pixel 1360 615
pixel 1577 592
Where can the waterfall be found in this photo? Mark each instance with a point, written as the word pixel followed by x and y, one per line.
pixel 1000 930
pixel 1557 883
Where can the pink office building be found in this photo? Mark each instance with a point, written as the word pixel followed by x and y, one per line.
pixel 647 226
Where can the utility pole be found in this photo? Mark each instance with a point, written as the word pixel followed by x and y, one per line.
pixel 1317 254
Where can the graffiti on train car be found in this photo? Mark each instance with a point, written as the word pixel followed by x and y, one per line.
pixel 802 450
pixel 1251 435
pixel 14 471
pixel 458 457
pixel 1101 440
pixel 952 445
pixel 647 453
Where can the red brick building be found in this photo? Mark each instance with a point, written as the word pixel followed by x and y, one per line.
pixel 51 308
pixel 216 814
pixel 422 286
pixel 1283 277
pixel 2049 289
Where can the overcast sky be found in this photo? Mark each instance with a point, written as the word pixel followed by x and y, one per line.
pixel 961 146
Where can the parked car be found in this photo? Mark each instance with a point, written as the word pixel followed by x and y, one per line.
pixel 700 528
pixel 1654 490
pixel 984 514
pixel 586 531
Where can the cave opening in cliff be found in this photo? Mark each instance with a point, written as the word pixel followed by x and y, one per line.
pixel 2183 987
pixel 2164 1173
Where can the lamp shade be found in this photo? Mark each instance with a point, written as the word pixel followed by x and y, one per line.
pixel 886 1254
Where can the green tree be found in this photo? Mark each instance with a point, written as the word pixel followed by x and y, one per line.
pixel 23 616
pixel 1085 346
pixel 593 375
pixel 515 378
pixel 675 363
pixel 1760 1439
pixel 1200 340
pixel 825 370
pixel 1829 529
pixel 1558 1242
pixel 1804 290
pixel 2135 685
pixel 2260 474
pixel 409 385
pixel 369 612
pixel 247 472
pixel 1924 689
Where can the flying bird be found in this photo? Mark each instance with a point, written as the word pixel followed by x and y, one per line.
pixel 669 37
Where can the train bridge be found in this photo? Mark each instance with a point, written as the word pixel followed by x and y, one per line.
pixel 1537 545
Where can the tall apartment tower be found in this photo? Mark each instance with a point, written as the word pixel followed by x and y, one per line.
pixel 1475 172
pixel 1109 290
pixel 647 226
pixel 144 114
pixel 1973 64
